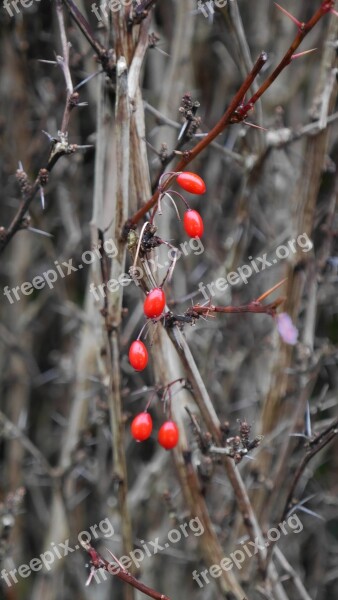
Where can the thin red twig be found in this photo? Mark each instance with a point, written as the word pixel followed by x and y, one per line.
pixel 114 569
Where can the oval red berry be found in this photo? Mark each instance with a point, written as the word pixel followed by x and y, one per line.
pixel 168 435
pixel 193 223
pixel 141 427
pixel 154 303
pixel 190 182
pixel 138 355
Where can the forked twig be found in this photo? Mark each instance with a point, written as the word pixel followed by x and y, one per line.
pixel 98 562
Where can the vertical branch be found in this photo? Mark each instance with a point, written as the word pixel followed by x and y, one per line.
pixel 114 303
pixel 63 62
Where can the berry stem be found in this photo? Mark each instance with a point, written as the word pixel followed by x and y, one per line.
pixel 142 330
pixel 139 243
pixel 170 174
pixel 179 195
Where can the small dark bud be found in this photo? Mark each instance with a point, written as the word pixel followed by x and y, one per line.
pixel 43 177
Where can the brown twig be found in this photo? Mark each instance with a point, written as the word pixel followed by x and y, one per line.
pixel 114 569
pixel 253 307
pixel 313 447
pixel 140 12
pixel 60 148
pixel 63 62
pixel 87 31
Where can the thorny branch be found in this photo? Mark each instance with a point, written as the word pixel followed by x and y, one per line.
pixel 116 569
pixel 237 110
pixel 59 146
pixel 312 448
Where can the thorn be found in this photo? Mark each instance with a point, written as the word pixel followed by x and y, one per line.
pixel 161 51
pixel 183 130
pixel 310 512
pixel 42 198
pixel 206 302
pixel 85 146
pixel 91 574
pixel 47 62
pixel 50 235
pixel 116 560
pixel 275 287
pixel 298 23
pixel 308 429
pixel 299 54
pixel 255 126
pixel 50 137
pixel 87 79
pixel 20 166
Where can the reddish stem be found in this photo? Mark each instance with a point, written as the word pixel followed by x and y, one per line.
pixel 219 127
pixel 253 307
pixel 326 6
pixel 100 563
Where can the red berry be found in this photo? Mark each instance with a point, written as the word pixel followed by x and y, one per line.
pixel 138 355
pixel 168 435
pixel 191 182
pixel 141 427
pixel 154 303
pixel 193 223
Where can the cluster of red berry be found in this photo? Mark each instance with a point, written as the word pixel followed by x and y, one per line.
pixel 142 427
pixel 192 220
pixel 153 308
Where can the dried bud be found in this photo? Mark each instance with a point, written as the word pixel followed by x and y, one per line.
pixel 237 458
pixel 23 181
pixel 163 153
pixel 244 432
pixel 186 103
pixel 74 99
pixel 225 427
pixel 207 438
pixel 43 177
pixel 194 126
pixel 153 39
